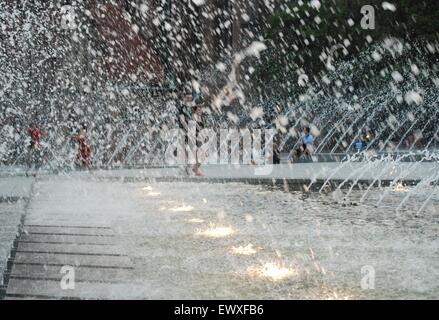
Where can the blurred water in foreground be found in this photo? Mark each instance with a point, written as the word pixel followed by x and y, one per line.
pixel 237 241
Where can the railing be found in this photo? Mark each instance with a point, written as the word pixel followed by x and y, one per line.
pixel 403 156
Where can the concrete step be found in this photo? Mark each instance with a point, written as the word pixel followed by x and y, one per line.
pixel 19 288
pixel 87 274
pixel 74 239
pixel 69 248
pixel 73 260
pixel 67 230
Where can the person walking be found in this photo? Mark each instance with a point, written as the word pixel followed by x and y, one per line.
pixel 34 149
pixel 184 115
pixel 84 152
pixel 197 117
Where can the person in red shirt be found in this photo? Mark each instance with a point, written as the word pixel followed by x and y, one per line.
pixel 34 159
pixel 84 152
pixel 35 135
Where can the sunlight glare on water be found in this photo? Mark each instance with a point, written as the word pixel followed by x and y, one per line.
pixel 301 245
pixel 216 232
pixel 273 270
